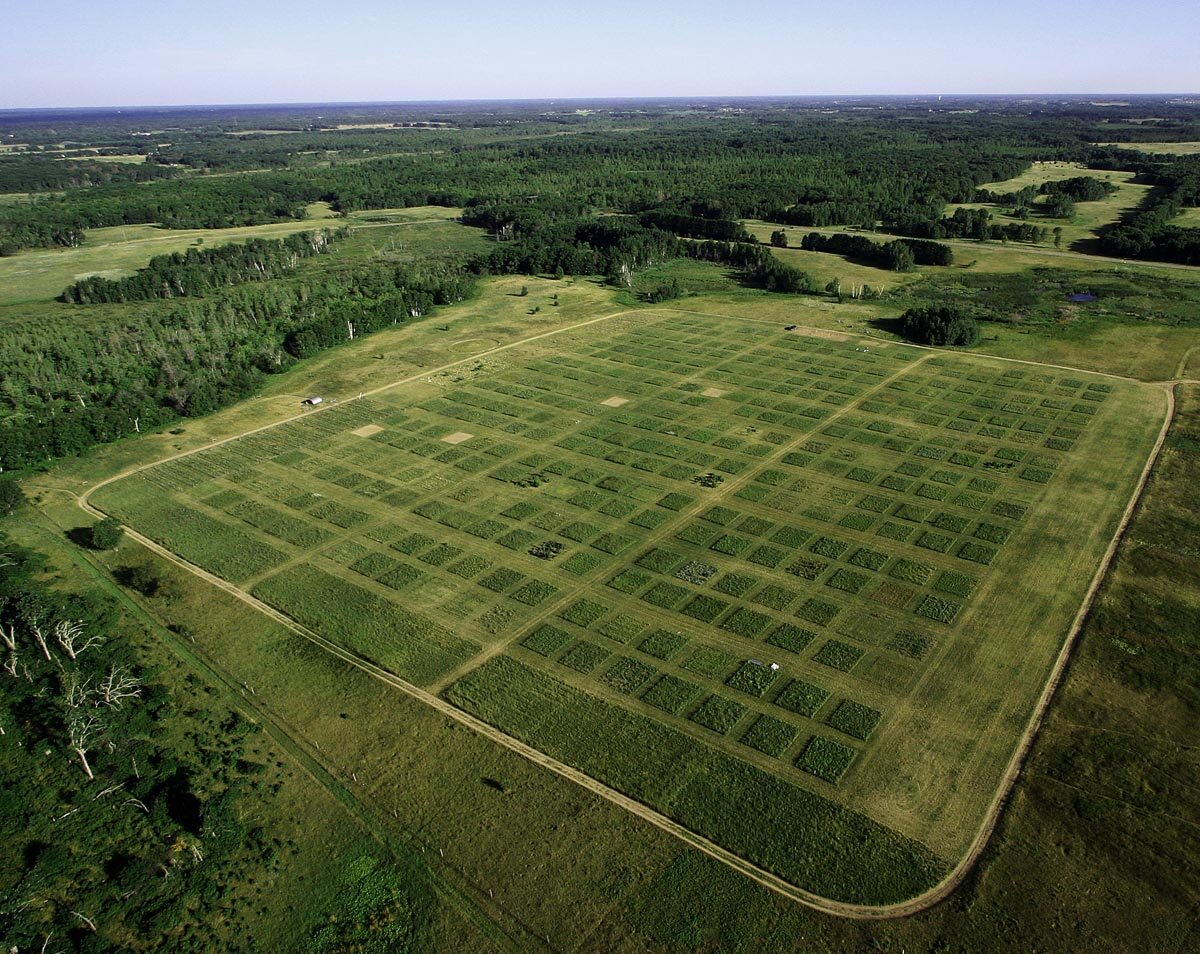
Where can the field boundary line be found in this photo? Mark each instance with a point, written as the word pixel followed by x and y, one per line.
pixel 764 877
pixel 1058 670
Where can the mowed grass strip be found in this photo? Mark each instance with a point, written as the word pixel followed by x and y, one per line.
pixel 799 835
pixel 388 635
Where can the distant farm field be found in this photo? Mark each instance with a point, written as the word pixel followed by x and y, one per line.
pixel 798 593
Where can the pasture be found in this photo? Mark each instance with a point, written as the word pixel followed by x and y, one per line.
pixel 810 587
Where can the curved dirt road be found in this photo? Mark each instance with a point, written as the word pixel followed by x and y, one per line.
pixel 766 878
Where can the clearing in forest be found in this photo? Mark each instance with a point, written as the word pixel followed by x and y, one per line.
pixel 807 617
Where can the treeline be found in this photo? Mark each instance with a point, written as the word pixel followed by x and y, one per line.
pixel 1076 188
pixel 972 224
pixel 42 173
pixel 1148 232
pixel 200 271
pixel 899 255
pixel 805 169
pixel 695 226
pixel 67 385
pixel 190 203
pixel 559 237
pixel 756 264
pixel 123 804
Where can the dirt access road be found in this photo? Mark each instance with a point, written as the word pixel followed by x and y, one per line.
pixel 829 906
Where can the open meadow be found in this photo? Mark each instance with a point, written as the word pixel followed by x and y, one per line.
pixel 812 586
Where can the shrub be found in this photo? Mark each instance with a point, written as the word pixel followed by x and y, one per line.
pixel 106 534
pixel 11 496
pixel 940 325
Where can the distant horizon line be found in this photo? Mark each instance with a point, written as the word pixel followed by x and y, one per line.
pixel 707 97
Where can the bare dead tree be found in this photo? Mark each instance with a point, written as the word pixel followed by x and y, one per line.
pixel 82 729
pixel 39 637
pixel 9 640
pixel 72 638
pixel 79 692
pixel 117 686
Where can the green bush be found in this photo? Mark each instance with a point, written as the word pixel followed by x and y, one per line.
pixel 106 534
pixel 939 325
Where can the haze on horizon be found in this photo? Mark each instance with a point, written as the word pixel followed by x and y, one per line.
pixel 138 52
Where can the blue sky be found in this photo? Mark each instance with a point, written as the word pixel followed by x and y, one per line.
pixel 138 52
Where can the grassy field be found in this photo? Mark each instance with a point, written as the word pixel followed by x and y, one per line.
pixel 872 587
pixel 1082 228
pixel 40 275
pixel 1163 148
pixel 1188 218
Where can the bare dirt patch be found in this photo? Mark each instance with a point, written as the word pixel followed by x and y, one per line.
pixel 367 430
pixel 713 392
pixel 457 437
pixel 614 401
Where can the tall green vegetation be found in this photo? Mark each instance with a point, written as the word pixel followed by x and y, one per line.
pixel 940 325
pixel 200 271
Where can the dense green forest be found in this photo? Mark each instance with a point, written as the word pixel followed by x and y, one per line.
pixel 119 825
pixel 609 193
